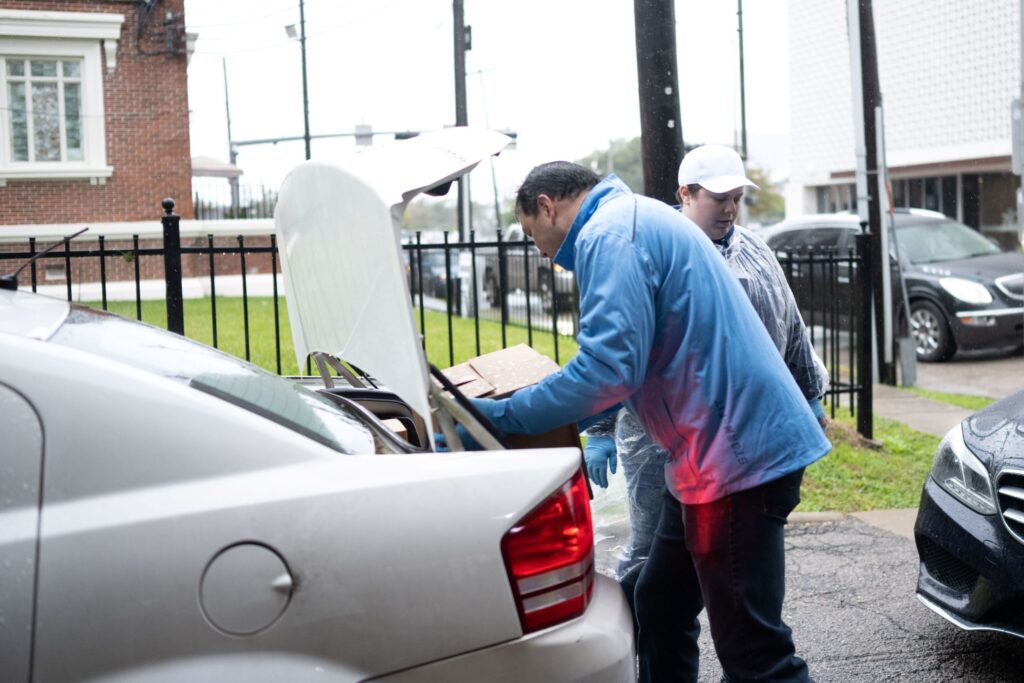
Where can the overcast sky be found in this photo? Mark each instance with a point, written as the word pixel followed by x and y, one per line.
pixel 561 73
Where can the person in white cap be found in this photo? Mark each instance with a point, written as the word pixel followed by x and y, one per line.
pixel 712 183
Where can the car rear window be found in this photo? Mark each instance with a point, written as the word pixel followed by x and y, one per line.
pixel 213 372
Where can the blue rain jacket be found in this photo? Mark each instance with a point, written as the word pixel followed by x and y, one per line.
pixel 665 326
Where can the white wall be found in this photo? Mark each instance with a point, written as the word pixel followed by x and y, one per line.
pixel 948 70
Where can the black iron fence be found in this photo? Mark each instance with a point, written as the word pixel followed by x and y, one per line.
pixel 219 201
pixel 503 282
pixel 506 282
pixel 833 292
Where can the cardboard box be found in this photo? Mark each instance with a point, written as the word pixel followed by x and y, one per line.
pixel 500 374
pixel 397 427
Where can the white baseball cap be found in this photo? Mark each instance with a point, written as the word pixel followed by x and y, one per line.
pixel 714 167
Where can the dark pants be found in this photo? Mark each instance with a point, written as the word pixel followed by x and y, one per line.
pixel 728 556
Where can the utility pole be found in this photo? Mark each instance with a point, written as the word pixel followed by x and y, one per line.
pixel 743 89
pixel 232 150
pixel 305 87
pixel 867 98
pixel 661 130
pixel 462 45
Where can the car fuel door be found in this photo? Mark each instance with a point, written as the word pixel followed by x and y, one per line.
pixel 21 460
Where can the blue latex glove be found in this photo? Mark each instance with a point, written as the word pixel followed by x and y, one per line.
pixel 600 456
pixel 468 442
pixel 488 408
pixel 819 412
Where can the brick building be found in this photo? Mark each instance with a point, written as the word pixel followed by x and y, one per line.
pixel 94 131
pixel 948 72
pixel 93 111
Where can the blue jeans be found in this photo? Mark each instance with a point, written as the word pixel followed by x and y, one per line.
pixel 643 464
pixel 728 556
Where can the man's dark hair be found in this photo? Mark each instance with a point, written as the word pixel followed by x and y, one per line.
pixel 694 188
pixel 556 179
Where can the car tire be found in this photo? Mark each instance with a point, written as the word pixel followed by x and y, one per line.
pixel 933 340
pixel 491 290
pixel 543 280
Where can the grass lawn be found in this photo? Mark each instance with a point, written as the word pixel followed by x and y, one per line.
pixel 961 400
pixel 854 477
pixel 850 478
pixel 262 348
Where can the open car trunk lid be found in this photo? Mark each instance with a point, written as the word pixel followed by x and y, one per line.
pixel 339 232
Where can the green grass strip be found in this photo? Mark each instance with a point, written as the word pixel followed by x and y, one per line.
pixel 853 478
pixel 960 400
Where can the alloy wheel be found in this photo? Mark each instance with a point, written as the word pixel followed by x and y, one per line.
pixel 932 340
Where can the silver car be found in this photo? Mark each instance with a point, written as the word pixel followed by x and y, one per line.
pixel 172 513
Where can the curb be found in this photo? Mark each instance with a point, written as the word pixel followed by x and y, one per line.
pixel 815 517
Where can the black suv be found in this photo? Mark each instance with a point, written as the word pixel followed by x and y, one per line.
pixel 964 291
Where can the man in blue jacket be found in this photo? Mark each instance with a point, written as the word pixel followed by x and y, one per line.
pixel 712 183
pixel 667 329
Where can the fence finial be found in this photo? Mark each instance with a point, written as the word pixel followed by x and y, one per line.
pixel 168 205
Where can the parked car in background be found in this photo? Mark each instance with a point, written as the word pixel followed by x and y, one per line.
pixel 434 280
pixel 964 292
pixel 526 269
pixel 970 523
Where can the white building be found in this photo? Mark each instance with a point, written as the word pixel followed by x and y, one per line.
pixel 948 71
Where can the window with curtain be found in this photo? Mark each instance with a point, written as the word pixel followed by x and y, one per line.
pixel 44 99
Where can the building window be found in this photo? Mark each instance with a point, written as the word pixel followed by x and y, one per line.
pixel 900 193
pixel 824 199
pixel 949 196
pixel 45 98
pixel 51 94
pixel 932 198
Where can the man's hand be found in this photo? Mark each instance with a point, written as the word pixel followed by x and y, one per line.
pixel 819 412
pixel 468 442
pixel 487 408
pixel 600 456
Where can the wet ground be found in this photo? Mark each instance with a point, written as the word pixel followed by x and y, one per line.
pixel 852 606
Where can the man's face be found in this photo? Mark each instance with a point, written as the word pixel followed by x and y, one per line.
pixel 713 212
pixel 548 228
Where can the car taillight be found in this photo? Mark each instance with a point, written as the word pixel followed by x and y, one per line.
pixel 550 557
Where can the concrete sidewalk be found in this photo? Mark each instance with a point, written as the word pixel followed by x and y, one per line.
pixel 917 412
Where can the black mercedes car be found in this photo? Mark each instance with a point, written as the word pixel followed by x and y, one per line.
pixel 970 524
pixel 965 292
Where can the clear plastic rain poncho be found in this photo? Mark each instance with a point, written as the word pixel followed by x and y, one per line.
pixel 641 460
